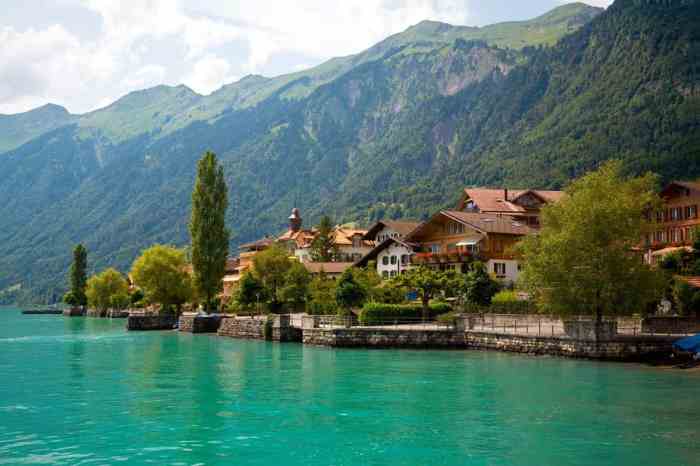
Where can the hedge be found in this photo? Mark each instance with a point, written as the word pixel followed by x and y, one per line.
pixel 375 313
pixel 503 307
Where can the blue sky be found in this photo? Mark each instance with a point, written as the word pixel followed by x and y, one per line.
pixel 84 54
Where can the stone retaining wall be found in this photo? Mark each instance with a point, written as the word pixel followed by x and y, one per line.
pixel 622 348
pixel 243 327
pixel 671 325
pixel 151 322
pixel 383 338
pixel 193 323
pixel 74 312
pixel 111 313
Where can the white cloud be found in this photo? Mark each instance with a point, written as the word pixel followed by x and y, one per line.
pixel 148 76
pixel 202 43
pixel 208 74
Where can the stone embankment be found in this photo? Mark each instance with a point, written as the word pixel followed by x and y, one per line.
pixel 619 348
pixel 384 338
pixel 195 323
pixel 278 328
pixel 151 322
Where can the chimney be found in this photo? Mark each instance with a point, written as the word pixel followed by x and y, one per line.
pixel 295 220
pixel 505 194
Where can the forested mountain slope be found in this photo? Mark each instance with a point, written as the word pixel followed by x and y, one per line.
pixel 394 131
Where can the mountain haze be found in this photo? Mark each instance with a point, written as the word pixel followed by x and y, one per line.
pixel 393 131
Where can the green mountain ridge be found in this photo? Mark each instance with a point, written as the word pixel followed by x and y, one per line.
pixel 164 109
pixel 396 134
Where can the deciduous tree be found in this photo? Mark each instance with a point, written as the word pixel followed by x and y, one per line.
pixel 427 282
pixel 270 267
pixel 585 259
pixel 161 272
pixel 296 284
pixel 103 287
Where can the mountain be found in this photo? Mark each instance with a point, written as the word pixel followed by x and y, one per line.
pixel 17 129
pixel 393 131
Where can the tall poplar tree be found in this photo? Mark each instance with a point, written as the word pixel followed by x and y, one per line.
pixel 208 230
pixel 78 276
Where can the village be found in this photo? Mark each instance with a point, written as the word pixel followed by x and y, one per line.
pixel 535 271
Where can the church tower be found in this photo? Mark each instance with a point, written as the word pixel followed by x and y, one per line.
pixel 295 220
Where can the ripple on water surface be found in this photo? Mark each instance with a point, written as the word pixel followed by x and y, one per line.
pixel 84 391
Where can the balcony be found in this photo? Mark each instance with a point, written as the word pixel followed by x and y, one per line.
pixel 442 257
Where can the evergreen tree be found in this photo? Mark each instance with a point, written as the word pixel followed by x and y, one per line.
pixel 479 287
pixel 349 293
pixel 208 230
pixel 78 278
pixel 323 247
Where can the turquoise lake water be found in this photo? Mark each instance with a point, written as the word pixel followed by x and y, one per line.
pixel 84 391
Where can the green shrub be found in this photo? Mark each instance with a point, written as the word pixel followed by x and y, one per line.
pixel 449 319
pixel 504 302
pixel 322 308
pixel 504 296
pixel 375 313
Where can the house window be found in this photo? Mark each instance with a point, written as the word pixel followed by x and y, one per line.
pixel 393 273
pixel 404 259
pixel 693 211
pixel 499 268
pixel 434 248
pixel 385 260
pixel 676 235
pixel 675 213
pixel 385 274
pixel 394 259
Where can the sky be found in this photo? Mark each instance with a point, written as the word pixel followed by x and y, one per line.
pixel 85 54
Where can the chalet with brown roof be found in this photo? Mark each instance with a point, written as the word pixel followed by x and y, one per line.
pixel 675 222
pixel 391 253
pixel 451 240
pixel 521 205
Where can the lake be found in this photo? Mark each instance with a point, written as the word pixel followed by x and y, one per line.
pixel 84 391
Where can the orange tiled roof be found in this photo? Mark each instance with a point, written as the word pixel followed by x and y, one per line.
pixel 494 200
pixel 302 238
pixel 343 236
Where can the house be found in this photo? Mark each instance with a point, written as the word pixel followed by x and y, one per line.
pixel 392 254
pixel 297 239
pixel 351 243
pixel 520 205
pixel 392 257
pixel 232 275
pixel 675 222
pixel 451 240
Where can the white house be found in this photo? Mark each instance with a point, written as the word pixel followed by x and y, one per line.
pixel 391 253
pixel 393 257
